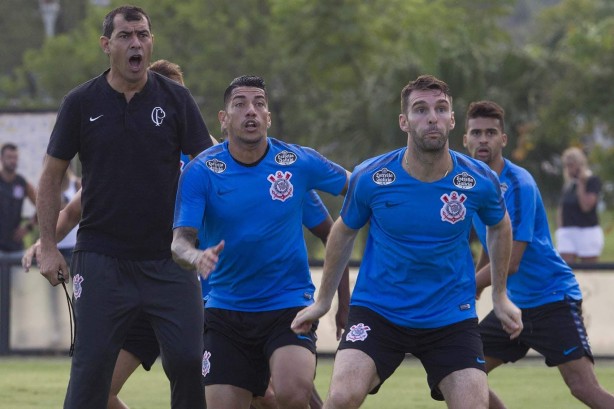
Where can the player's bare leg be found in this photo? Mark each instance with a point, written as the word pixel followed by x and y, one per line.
pixel 579 375
pixel 465 389
pixel 354 375
pixel 125 365
pixel 292 371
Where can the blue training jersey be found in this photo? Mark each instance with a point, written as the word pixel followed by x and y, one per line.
pixel 314 211
pixel 417 269
pixel 257 209
pixel 542 277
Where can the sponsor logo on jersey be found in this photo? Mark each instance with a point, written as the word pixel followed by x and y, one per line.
pixel 503 187
pixel 384 177
pixel 206 368
pixel 157 116
pixel 215 165
pixel 358 332
pixel 77 288
pixel 285 158
pixel 464 181
pixel 464 307
pixel 453 209
pixel 281 188
pixel 94 118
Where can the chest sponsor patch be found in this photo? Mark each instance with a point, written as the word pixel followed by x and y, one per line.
pixel 464 181
pixel 281 187
pixel 384 177
pixel 453 209
pixel 215 165
pixel 285 158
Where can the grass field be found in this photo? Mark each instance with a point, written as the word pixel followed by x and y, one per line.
pixel 40 383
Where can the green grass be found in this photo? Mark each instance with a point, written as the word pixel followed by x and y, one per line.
pixel 40 383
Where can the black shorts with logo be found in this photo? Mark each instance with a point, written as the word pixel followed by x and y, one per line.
pixel 441 350
pixel 555 330
pixel 239 345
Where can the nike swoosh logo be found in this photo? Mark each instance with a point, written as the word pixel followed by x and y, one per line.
pixel 303 337
pixel 569 351
pixel 391 204
pixel 93 119
pixel 480 360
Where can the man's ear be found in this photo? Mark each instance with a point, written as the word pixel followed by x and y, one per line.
pixel 403 123
pixel 221 116
pixel 104 44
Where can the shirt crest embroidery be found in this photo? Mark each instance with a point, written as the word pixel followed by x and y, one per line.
pixel 453 209
pixel 281 188
pixel 157 116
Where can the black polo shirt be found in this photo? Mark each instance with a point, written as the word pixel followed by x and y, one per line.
pixel 130 161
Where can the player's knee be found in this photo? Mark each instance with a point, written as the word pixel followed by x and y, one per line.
pixel 268 401
pixel 581 389
pixel 344 398
pixel 293 397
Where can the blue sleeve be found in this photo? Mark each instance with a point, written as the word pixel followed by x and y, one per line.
pixel 191 196
pixel 324 174
pixel 356 210
pixel 521 202
pixel 493 204
pixel 314 211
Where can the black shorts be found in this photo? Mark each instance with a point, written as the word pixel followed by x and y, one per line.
pixel 141 342
pixel 555 330
pixel 239 345
pixel 441 350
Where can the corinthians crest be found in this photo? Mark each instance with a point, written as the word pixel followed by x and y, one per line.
pixel 453 208
pixel 281 188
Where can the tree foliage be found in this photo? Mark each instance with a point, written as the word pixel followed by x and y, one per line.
pixel 335 68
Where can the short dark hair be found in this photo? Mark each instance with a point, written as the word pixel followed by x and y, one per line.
pixel 168 69
pixel 421 83
pixel 8 147
pixel 130 13
pixel 244 81
pixel 486 109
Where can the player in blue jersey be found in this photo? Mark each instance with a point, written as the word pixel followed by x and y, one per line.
pixel 415 291
pixel 539 281
pixel 248 193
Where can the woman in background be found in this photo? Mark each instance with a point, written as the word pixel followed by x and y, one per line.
pixel 579 236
